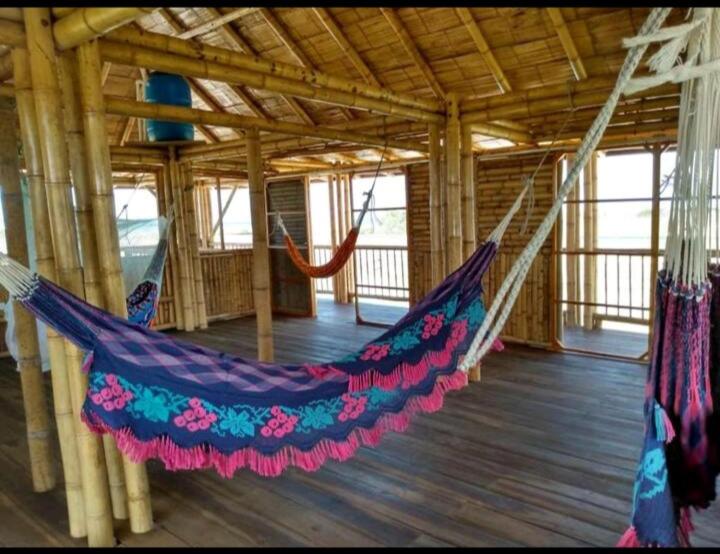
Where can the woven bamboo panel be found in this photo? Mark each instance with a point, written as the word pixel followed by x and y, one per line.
pixel 227 276
pixel 418 223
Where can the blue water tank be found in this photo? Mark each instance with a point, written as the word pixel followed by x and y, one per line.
pixel 167 88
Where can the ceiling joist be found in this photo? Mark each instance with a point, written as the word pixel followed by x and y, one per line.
pixel 567 42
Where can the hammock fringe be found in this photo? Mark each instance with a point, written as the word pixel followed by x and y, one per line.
pixel 176 457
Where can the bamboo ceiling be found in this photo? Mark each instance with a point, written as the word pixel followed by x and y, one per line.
pixel 427 52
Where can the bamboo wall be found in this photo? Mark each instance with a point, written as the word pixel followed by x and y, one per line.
pixel 498 183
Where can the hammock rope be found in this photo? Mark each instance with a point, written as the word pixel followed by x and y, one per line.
pixel 343 252
pixel 510 289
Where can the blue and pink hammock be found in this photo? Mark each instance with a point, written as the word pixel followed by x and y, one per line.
pixel 193 407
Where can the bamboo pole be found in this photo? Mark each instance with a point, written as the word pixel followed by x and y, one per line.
pixel 167 112
pixel 657 151
pixel 333 234
pixel 348 268
pixel 37 419
pixel 261 254
pixel 85 24
pixel 572 234
pixel 436 229
pixel 79 168
pixel 45 260
pixel 468 192
pixel 342 233
pixel 185 276
pixel 220 214
pixel 199 51
pixel 454 208
pixel 589 233
pixel 200 307
pixel 43 67
pixel 108 243
pixel 165 180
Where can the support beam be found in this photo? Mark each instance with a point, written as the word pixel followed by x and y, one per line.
pixel 215 23
pixel 218 223
pixel 261 253
pixel 589 241
pixel 108 244
pixel 437 256
pixel 567 42
pixel 353 55
pixel 453 233
pixel 167 112
pixel 406 40
pixel 45 260
pixel 43 68
pixel 484 48
pixel 194 244
pixel 467 180
pixel 164 43
pixel 85 24
pixel 35 407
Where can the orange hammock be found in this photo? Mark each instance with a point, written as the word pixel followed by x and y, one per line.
pixel 339 259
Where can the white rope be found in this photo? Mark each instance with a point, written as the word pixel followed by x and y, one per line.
pixel 510 288
pixel 16 278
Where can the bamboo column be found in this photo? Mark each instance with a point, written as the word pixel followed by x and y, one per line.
pixel 437 257
pixel 261 254
pixel 37 418
pixel 45 260
pixel 165 182
pixel 654 235
pixel 194 240
pixel 454 208
pixel 571 260
pixel 589 241
pixel 79 168
pixel 43 68
pixel 342 233
pixel 348 268
pixel 185 280
pixel 333 235
pixel 468 193
pixel 108 243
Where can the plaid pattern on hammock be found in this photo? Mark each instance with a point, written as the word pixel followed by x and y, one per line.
pixel 193 407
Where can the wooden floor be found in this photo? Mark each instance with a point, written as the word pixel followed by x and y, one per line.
pixel 606 341
pixel 541 453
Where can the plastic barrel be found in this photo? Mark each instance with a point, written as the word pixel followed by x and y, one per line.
pixel 167 88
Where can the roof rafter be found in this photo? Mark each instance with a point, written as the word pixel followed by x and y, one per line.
pixel 236 40
pixel 409 45
pixel 479 39
pixel 567 42
pixel 337 34
pixel 215 23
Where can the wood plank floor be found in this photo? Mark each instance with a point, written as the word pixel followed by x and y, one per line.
pixel 541 453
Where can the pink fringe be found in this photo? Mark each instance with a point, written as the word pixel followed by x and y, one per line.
pixel 669 429
pixel 629 539
pixel 204 456
pixel 497 345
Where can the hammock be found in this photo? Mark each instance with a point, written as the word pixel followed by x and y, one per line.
pixel 680 458
pixel 193 407
pixel 344 251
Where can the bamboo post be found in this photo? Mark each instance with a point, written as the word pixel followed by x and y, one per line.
pixel 37 419
pixel 348 268
pixel 108 243
pixel 165 181
pixel 437 258
pixel 556 274
pixel 654 235
pixel 79 168
pixel 468 193
pixel 201 309
pixel 43 68
pixel 454 207
pixel 220 215
pixel 342 233
pixel 571 259
pixel 333 235
pixel 589 234
pixel 186 285
pixel 261 254
pixel 45 260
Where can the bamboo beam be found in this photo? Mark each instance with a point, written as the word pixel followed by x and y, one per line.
pixel 261 254
pixel 85 24
pixel 6 69
pixel 163 43
pixel 135 56
pixel 657 151
pixel 333 235
pixel 48 108
pixel 108 244
pixel 498 131
pixel 343 229
pixel 407 42
pixel 79 169
pixel 193 238
pixel 165 181
pixel 339 37
pixel 468 192
pixel 13 14
pixel 12 33
pixel 484 48
pixel 45 261
pixel 215 23
pixel 589 241
pixel 168 112
pixel 437 258
pixel 211 103
pixel 567 42
pixel 454 246
pixel 37 418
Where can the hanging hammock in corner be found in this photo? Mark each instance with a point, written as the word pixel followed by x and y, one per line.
pixel 343 252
